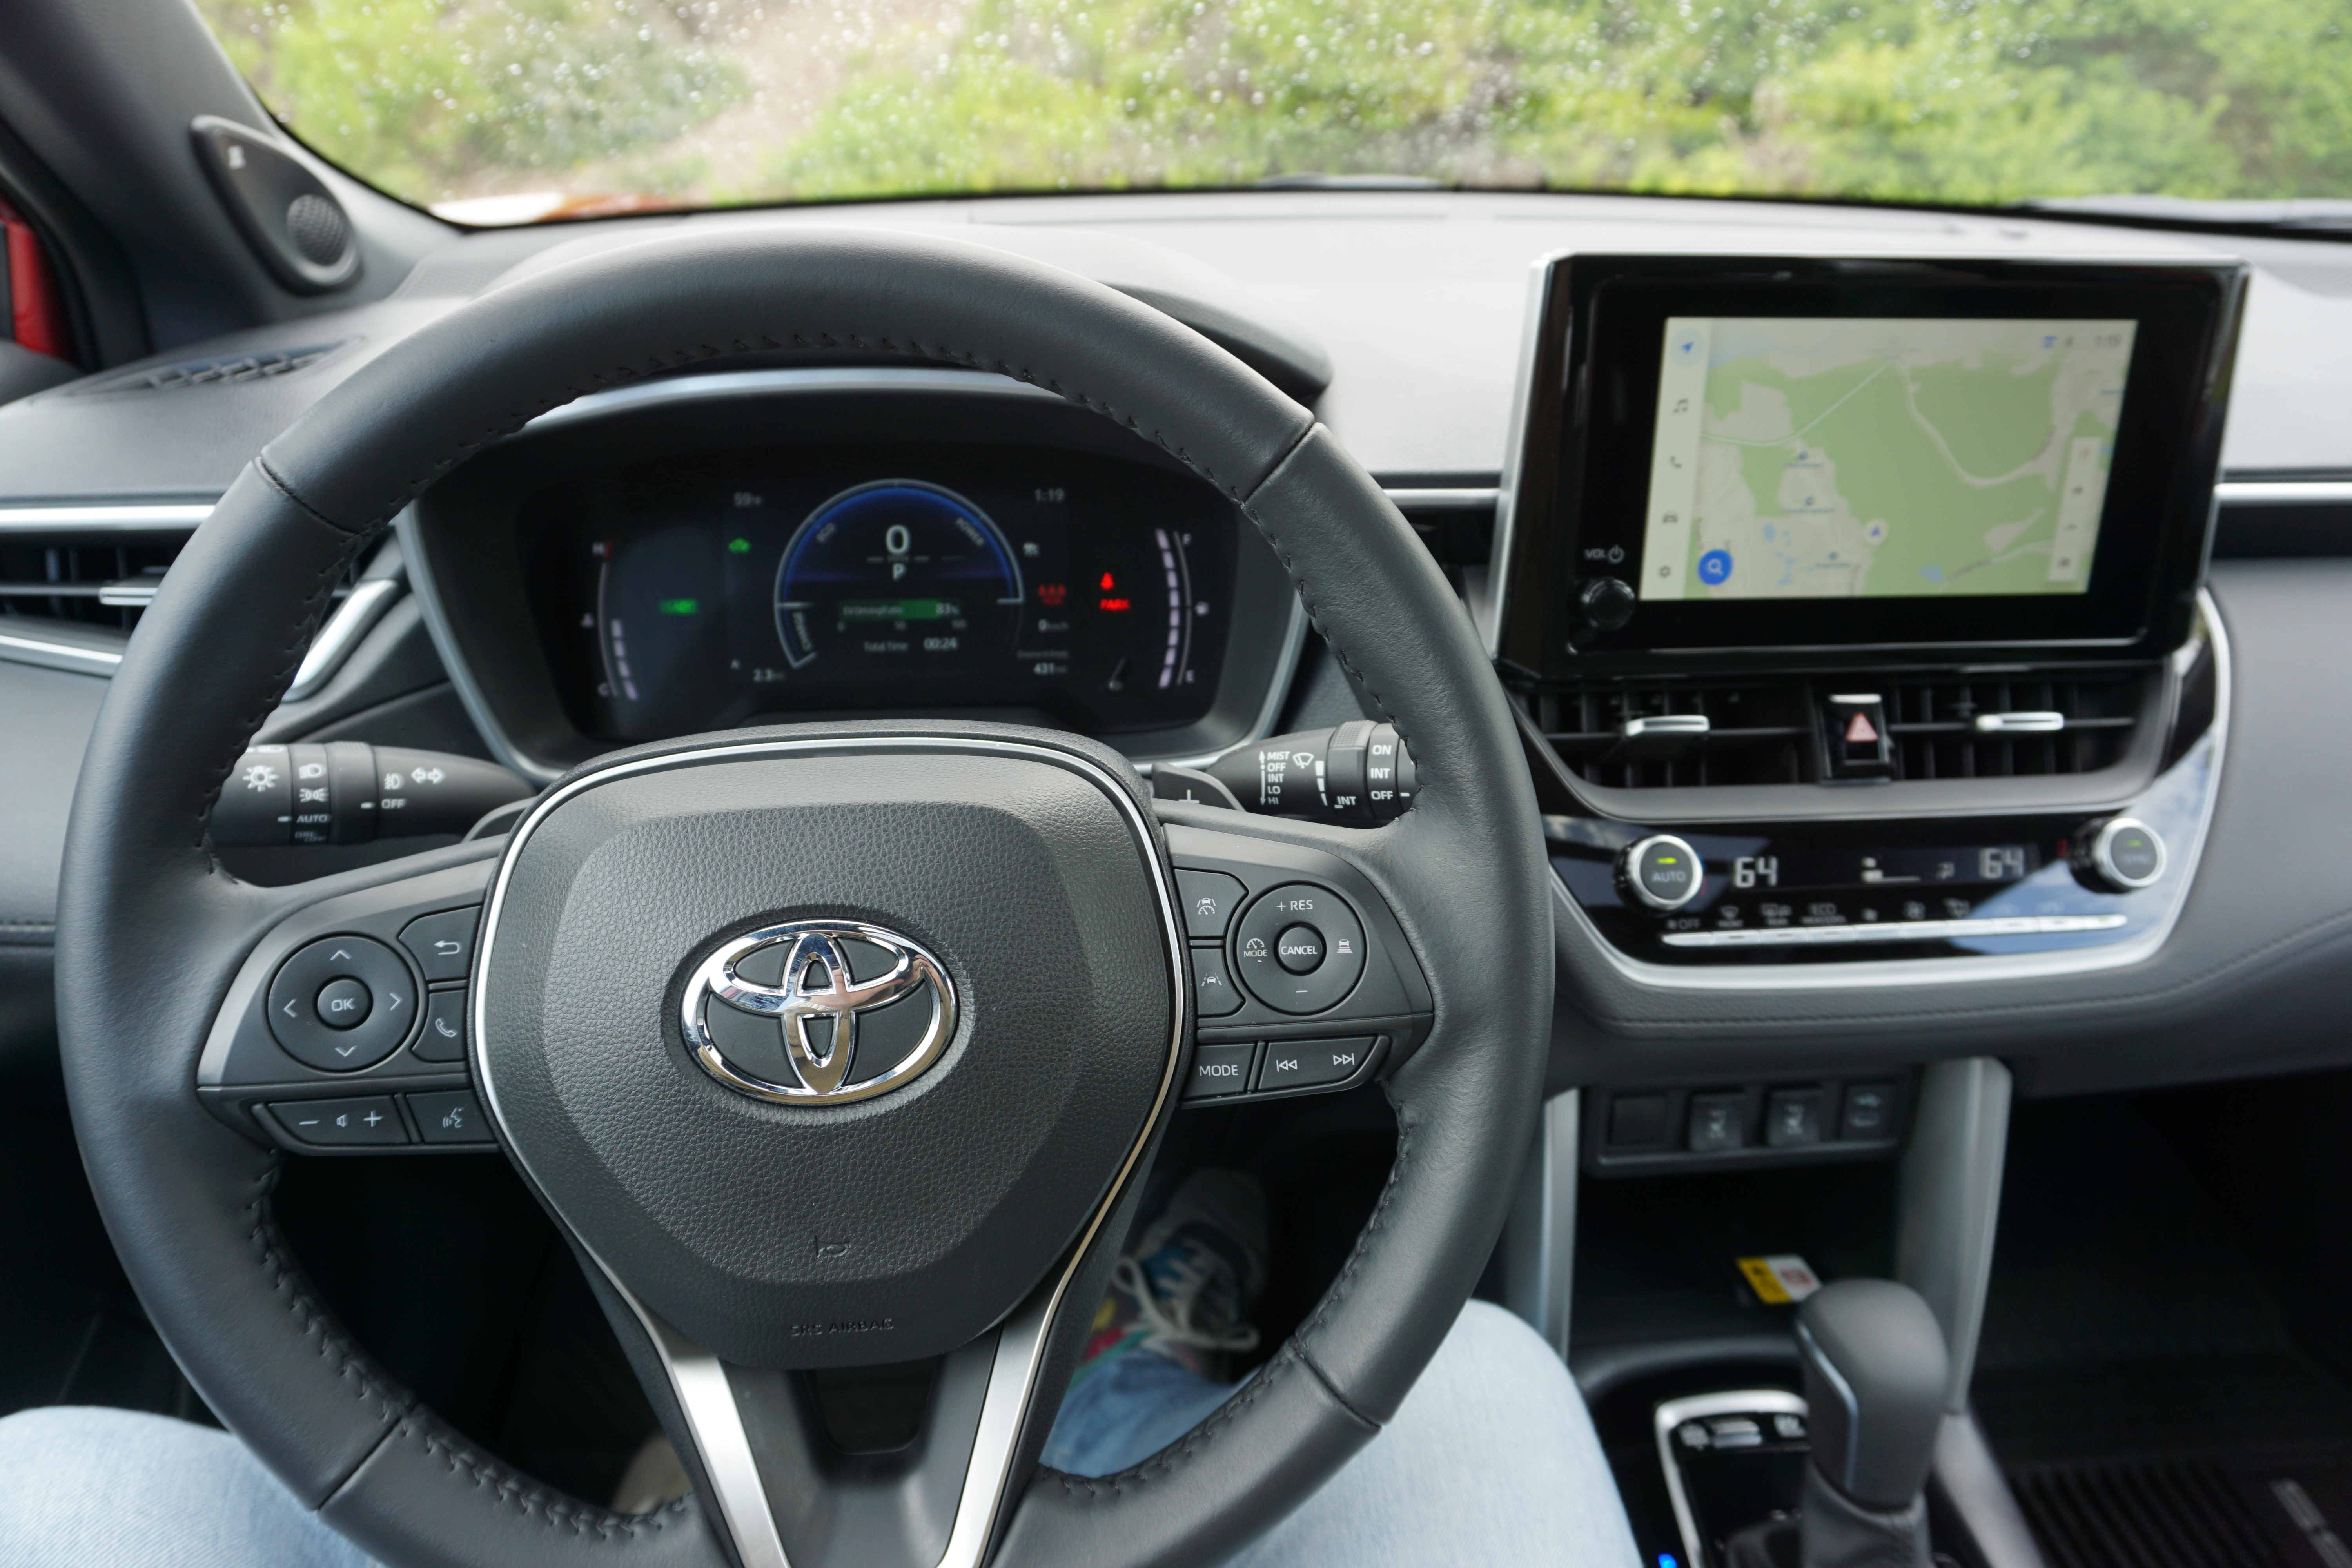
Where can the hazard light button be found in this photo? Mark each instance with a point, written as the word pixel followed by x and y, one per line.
pixel 1856 744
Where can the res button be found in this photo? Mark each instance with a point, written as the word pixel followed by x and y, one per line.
pixel 1300 949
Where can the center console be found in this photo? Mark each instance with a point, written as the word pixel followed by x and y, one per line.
pixel 1853 606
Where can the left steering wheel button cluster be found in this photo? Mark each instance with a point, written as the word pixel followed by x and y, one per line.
pixel 341 1003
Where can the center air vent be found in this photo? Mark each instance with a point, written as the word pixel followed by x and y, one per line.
pixel 1767 729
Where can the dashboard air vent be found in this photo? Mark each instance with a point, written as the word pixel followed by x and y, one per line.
pixel 1757 731
pixel 1701 731
pixel 89 584
pixel 225 370
pixel 1976 727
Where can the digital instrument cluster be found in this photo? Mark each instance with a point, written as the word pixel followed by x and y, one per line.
pixel 690 594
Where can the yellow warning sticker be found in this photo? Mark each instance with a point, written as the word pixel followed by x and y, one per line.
pixel 1780 1278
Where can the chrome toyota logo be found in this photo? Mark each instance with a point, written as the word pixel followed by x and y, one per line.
pixel 819 1012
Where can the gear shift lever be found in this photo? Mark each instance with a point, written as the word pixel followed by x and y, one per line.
pixel 1875 1373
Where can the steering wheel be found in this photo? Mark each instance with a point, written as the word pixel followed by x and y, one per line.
pixel 1019 884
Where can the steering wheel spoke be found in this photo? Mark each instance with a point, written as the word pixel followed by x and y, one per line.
pixel 889 1466
pixel 344 1029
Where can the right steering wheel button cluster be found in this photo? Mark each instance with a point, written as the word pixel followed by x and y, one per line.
pixel 1300 949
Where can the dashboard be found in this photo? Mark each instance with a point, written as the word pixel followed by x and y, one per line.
pixel 830 540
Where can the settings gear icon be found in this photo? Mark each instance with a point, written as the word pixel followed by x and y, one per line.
pixel 260 776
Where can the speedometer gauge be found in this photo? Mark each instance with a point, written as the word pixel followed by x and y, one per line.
pixel 896 569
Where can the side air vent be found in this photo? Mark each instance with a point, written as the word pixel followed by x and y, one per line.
pixel 86 584
pixel 1693 732
pixel 225 370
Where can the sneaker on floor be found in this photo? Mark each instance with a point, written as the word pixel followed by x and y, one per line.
pixel 1185 1290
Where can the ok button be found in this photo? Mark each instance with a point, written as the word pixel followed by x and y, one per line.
pixel 1300 949
pixel 344 1003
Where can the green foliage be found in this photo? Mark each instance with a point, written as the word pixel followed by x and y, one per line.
pixel 427 97
pixel 1950 100
pixel 1947 101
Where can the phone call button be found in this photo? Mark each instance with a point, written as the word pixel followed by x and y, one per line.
pixel 443 1038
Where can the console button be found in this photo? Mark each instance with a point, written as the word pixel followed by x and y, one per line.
pixel 444 1039
pixel 1299 950
pixel 335 1123
pixel 1282 916
pixel 1210 899
pixel 1637 1119
pixel 442 943
pixel 343 1004
pixel 1869 1111
pixel 1661 872
pixel 1308 1064
pixel 453 1116
pixel 1220 1070
pixel 304 1013
pixel 1716 1122
pixel 2121 854
pixel 1792 1118
pixel 1212 988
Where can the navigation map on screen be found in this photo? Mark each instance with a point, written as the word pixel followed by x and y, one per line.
pixel 1821 458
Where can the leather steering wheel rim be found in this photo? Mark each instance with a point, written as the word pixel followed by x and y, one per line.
pixel 152 929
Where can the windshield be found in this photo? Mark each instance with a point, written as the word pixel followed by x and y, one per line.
pixel 512 110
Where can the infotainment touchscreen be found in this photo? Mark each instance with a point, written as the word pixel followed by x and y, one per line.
pixel 1817 455
pixel 1804 457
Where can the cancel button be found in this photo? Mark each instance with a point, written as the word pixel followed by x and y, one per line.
pixel 1310 1064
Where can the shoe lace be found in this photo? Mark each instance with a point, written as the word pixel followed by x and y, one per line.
pixel 1168 1308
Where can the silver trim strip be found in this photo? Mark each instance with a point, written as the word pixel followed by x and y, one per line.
pixel 2284 492
pixel 1404 498
pixel 354 618
pixel 1912 971
pixel 2025 723
pixel 1698 1407
pixel 1811 1349
pixel 41 651
pixel 1019 1353
pixel 736 382
pixel 103 518
pixel 1894 930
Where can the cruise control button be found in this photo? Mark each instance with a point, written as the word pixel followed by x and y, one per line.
pixel 1216 996
pixel 454 1116
pixel 442 943
pixel 1210 899
pixel 332 1123
pixel 313 1001
pixel 444 1039
pixel 1308 1064
pixel 343 1004
pixel 1272 920
pixel 1220 1070
pixel 1299 950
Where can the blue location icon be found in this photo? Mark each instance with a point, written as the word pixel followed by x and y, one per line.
pixel 1714 567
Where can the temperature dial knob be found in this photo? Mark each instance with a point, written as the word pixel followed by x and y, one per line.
pixel 2118 856
pixel 1661 872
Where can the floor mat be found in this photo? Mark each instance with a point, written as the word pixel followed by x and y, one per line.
pixel 2137 1378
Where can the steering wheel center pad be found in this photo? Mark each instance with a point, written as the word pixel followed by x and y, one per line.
pixel 152 931
pixel 884 1230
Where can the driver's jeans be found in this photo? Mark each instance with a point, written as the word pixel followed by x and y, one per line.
pixel 1491 1459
